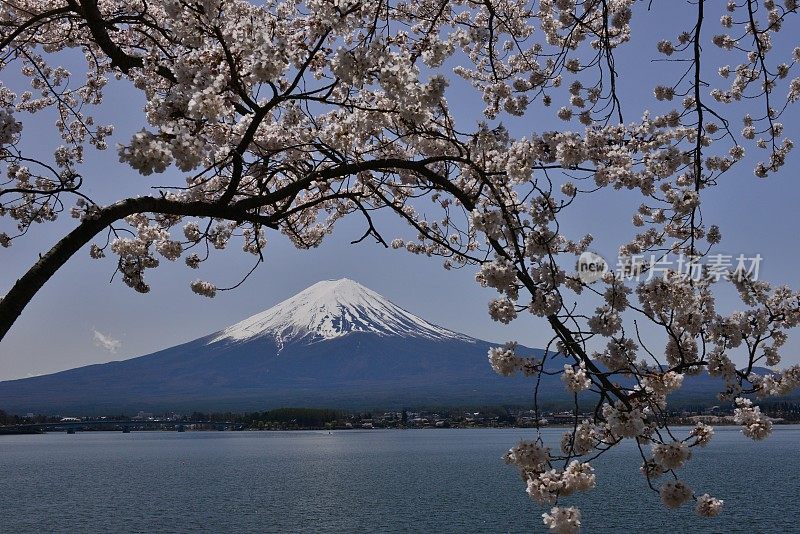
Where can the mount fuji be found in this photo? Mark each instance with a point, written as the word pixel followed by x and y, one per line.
pixel 336 344
pixel 332 309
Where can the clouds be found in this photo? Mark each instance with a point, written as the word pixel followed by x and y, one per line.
pixel 107 342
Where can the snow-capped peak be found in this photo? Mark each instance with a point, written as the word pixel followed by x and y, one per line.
pixel 331 309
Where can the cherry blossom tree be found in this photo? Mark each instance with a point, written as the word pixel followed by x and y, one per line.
pixel 286 116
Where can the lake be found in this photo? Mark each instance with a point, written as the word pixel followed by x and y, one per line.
pixel 366 481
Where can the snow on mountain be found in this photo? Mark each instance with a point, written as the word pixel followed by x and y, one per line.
pixel 331 309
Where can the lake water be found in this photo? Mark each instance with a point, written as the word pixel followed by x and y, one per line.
pixel 365 481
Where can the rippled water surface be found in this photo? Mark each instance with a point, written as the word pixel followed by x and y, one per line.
pixel 365 481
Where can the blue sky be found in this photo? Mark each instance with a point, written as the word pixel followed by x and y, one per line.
pixel 57 330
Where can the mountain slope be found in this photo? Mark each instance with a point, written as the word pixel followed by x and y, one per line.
pixel 334 344
pixel 331 309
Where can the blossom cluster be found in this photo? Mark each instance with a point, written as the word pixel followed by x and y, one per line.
pixel 754 424
pixel 505 361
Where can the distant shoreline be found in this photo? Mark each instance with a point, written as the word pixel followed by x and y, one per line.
pixel 14 431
